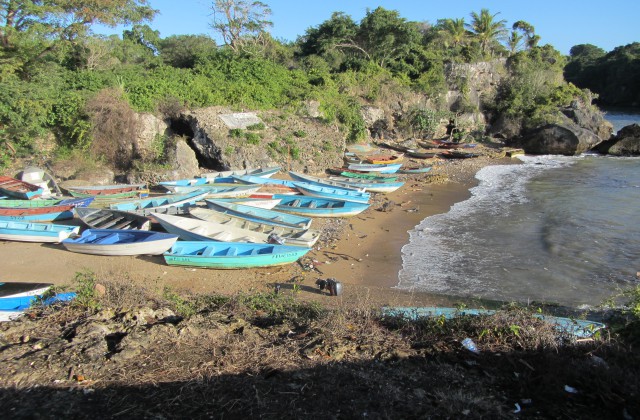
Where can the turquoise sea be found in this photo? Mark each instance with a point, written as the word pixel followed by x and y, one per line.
pixel 552 229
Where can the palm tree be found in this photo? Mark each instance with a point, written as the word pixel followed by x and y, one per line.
pixel 453 31
pixel 486 29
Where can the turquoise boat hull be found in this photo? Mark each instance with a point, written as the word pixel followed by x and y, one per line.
pixel 231 255
pixel 24 302
pixel 11 230
pixel 577 327
pixel 318 207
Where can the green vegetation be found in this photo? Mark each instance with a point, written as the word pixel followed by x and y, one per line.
pixel 613 76
pixel 58 81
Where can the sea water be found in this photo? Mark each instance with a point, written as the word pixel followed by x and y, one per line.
pixel 552 229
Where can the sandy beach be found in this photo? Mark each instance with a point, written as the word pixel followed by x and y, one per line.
pixel 363 253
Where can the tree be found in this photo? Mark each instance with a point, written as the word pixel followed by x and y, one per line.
pixel 183 51
pixel 66 19
pixel 528 33
pixel 487 30
pixel 386 38
pixel 240 23
pixel 453 31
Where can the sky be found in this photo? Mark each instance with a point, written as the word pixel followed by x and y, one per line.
pixel 561 23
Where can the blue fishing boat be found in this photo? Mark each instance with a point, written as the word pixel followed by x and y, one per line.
pixel 324 182
pixel 261 172
pixel 291 184
pixel 219 191
pixel 318 207
pixel 257 231
pixel 13 230
pixel 42 211
pixel 272 217
pixel 253 180
pixel 194 182
pixel 146 206
pixel 231 255
pixel 15 306
pixel 120 242
pixel 576 327
pixel 370 185
pixel 375 167
pixel 331 193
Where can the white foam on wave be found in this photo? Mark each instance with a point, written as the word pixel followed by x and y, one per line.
pixel 432 257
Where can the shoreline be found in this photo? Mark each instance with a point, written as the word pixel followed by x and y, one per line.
pixel 365 256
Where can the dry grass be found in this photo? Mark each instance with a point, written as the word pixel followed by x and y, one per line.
pixel 273 356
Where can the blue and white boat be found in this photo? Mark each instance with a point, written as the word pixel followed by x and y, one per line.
pixel 146 206
pixel 219 192
pixel 15 306
pixel 120 242
pixel 263 232
pixel 272 217
pixel 576 327
pixel 370 185
pixel 190 229
pixel 13 230
pixel 388 168
pixel 194 182
pixel 325 182
pixel 292 184
pixel 331 193
pixel 261 172
pixel 231 255
pixel 318 207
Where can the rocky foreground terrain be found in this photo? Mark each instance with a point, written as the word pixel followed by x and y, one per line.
pixel 119 351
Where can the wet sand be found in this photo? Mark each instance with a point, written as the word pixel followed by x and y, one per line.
pixel 365 258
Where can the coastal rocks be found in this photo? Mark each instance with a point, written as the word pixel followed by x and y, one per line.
pixel 590 118
pixel 559 139
pixel 625 143
pixel 505 127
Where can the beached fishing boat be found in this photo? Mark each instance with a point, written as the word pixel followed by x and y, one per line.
pixel 146 206
pixel 191 229
pixel 414 170
pixel 219 192
pixel 19 189
pixel 414 153
pixel 372 167
pixel 457 154
pixel 13 230
pixel 324 182
pixel 576 327
pixel 18 289
pixel 283 234
pixel 273 217
pixel 384 159
pixel 263 203
pixel 194 182
pixel 120 242
pixel 370 185
pixel 41 178
pixel 232 255
pixel 42 210
pixel 109 191
pixel 15 306
pixel 361 175
pixel 269 185
pixel 261 172
pixel 331 193
pixel 319 207
pixel 112 219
